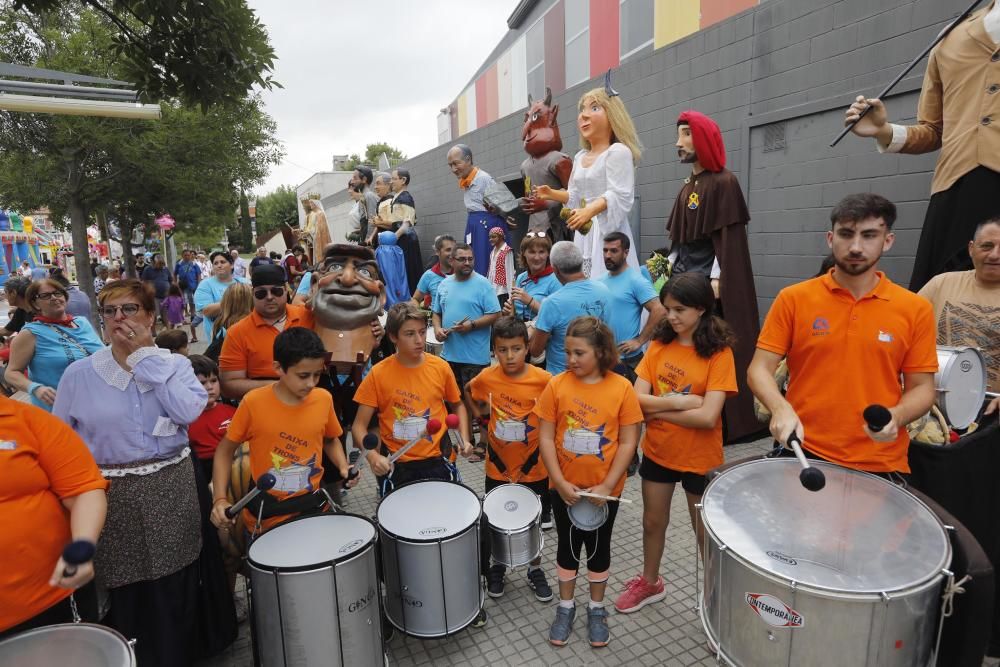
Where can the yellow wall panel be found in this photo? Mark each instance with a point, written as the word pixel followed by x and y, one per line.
pixel 463 123
pixel 675 19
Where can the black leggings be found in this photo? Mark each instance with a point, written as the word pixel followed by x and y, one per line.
pixel 569 552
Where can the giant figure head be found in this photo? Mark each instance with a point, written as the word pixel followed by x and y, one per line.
pixel 540 132
pixel 347 291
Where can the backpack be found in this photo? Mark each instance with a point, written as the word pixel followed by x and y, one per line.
pixel 214 348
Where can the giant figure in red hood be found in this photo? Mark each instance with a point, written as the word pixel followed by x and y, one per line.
pixel 708 234
pixel 546 165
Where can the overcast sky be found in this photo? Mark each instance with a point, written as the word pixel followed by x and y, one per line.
pixel 358 73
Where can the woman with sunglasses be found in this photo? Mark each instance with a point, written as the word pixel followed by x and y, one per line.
pixel 131 404
pixel 537 282
pixel 48 344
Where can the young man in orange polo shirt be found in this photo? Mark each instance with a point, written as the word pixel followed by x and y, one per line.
pixel 848 335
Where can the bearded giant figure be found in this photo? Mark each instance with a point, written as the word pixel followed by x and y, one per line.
pixel 546 164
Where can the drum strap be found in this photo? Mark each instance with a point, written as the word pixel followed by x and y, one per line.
pixel 496 460
pixel 266 506
pixel 530 462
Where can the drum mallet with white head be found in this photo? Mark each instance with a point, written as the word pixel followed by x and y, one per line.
pixel 433 426
pixel 77 553
pixel 265 482
pixel 369 443
pixel 877 417
pixel 811 478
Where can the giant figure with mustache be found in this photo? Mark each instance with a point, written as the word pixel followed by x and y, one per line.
pixel 546 164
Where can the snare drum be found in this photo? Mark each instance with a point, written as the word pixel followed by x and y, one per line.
pixel 585 515
pixel 850 575
pixel 429 536
pixel 315 593
pixel 514 513
pixel 960 383
pixel 432 346
pixel 77 644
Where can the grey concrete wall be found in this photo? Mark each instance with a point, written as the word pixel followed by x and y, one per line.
pixel 785 68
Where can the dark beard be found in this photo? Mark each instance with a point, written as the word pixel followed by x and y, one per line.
pixel 689 158
pixel 854 270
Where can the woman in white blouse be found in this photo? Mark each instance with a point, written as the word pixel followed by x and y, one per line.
pixel 602 185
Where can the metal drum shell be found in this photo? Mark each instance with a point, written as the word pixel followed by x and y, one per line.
pixel 66 644
pixel 432 345
pixel 886 628
pixel 960 410
pixel 325 613
pixel 433 585
pixel 515 546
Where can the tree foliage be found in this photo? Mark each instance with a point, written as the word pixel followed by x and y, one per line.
pixel 372 154
pixel 276 209
pixel 201 52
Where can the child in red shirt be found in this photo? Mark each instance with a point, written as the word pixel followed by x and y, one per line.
pixel 207 430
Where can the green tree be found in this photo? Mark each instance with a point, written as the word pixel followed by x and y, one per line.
pixel 372 154
pixel 277 209
pixel 202 52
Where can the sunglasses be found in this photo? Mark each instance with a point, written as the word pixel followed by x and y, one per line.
pixel 535 235
pixel 275 290
pixel 48 296
pixel 128 310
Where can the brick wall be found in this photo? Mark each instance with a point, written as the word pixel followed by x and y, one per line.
pixel 776 78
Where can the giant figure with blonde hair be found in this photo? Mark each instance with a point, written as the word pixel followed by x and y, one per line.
pixel 602 184
pixel 315 232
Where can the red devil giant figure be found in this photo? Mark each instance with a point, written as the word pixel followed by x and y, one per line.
pixel 546 164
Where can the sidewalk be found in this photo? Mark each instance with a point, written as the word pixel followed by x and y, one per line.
pixel 667 633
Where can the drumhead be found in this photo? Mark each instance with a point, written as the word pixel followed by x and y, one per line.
pixel 512 506
pixel 83 644
pixel 585 515
pixel 961 379
pixel 429 510
pixel 859 534
pixel 312 541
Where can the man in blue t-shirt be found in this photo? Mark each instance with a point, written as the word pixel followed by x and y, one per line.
pixel 630 294
pixel 577 297
pixel 464 309
pixel 427 287
pixel 187 275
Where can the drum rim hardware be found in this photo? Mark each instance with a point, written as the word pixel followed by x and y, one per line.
pixel 320 565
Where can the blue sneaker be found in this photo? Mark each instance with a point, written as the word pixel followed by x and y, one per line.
pixel 597 626
pixel 562 626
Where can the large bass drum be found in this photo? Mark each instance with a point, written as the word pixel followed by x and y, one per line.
pixel 67 645
pixel 429 536
pixel 849 575
pixel 961 384
pixel 315 593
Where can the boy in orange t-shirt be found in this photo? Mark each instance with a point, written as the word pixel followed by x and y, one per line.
pixel 589 421
pixel 288 426
pixel 684 380
pixel 408 389
pixel 503 397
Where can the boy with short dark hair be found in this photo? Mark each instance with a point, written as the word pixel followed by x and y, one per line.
pixel 207 431
pixel 288 425
pixel 503 397
pixel 175 340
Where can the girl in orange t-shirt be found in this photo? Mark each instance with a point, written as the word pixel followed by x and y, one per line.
pixel 589 425
pixel 683 382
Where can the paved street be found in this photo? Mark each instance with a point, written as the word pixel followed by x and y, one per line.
pixel 667 633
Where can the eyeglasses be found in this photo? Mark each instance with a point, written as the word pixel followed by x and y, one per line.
pixel 128 310
pixel 535 235
pixel 48 296
pixel 463 260
pixel 275 290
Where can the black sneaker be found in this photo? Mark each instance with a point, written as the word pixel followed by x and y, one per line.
pixel 547 523
pixel 480 620
pixel 353 456
pixel 538 583
pixel 495 580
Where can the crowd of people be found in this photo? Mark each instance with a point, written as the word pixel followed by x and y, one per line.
pixel 565 370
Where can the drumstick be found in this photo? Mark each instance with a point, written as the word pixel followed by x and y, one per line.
pixel 811 478
pixel 369 443
pixel 77 553
pixel 264 483
pixel 992 394
pixel 588 494
pixel 433 426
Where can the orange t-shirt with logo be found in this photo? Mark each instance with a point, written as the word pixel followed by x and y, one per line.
pixel 845 354
pixel 676 368
pixel 286 441
pixel 249 344
pixel 587 419
pixel 406 398
pixel 513 426
pixel 43 462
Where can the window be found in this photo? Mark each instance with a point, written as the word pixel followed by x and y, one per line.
pixel 535 48
pixel 577 41
pixel 636 26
